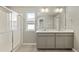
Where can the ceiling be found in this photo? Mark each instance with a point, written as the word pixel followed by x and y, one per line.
pixel 23 9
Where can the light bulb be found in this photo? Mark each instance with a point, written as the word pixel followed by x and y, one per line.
pixel 61 9
pixel 42 10
pixel 46 10
pixel 57 10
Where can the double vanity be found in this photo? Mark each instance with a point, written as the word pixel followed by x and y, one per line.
pixel 54 31
pixel 55 39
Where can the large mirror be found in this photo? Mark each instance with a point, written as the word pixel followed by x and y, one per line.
pixel 52 18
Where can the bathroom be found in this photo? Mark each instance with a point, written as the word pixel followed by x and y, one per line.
pixel 39 29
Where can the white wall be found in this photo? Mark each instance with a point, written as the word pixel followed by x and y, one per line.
pixel 5 33
pixel 73 13
pixel 5 42
pixel 29 37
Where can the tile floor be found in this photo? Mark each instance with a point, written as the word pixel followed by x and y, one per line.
pixel 32 48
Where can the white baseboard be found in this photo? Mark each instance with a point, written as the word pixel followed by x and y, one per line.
pixel 29 43
pixel 74 50
pixel 14 50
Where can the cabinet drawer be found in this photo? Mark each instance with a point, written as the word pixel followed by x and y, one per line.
pixel 45 34
pixel 60 34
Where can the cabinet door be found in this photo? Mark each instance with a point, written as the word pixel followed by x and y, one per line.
pixel 46 41
pixel 41 42
pixel 69 41
pixel 50 41
pixel 60 41
pixel 64 40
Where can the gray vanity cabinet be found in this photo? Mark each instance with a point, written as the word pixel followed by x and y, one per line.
pixel 64 40
pixel 55 40
pixel 46 41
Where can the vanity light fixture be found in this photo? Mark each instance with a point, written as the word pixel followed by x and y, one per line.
pixel 44 10
pixel 59 10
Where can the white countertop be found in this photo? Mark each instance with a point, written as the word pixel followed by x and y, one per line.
pixel 66 31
